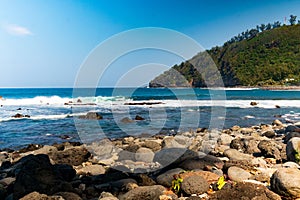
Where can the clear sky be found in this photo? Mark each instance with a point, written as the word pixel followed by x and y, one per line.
pixel 44 42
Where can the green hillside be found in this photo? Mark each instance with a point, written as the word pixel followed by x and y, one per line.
pixel 259 57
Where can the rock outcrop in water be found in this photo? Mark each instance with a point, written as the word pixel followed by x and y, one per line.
pixel 236 163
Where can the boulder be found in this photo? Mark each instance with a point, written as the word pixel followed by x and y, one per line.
pixel 238 174
pixel 144 193
pixel 269 149
pixel 144 154
pixel 245 191
pixel 91 116
pixel 208 176
pixel 286 181
pixel 234 154
pixel 207 161
pixel 38 196
pixel 154 146
pixel 37 174
pixel 293 150
pixel 175 142
pixel 73 156
pixel 225 139
pixel 253 103
pixel 194 185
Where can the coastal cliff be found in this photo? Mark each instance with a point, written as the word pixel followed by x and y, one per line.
pixel 254 58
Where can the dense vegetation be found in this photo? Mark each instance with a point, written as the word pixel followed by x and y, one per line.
pixel 267 55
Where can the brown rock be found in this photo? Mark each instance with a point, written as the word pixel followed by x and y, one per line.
pixel 194 185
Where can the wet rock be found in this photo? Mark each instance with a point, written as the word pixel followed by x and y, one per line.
pixel 91 116
pixel 144 154
pixel 194 185
pixel 245 191
pixel 18 115
pixel 137 117
pixel 269 149
pixel 238 174
pixel 286 181
pixel 166 178
pixel 144 192
pixel 73 156
pixel 253 103
pixel 234 154
pixel 293 150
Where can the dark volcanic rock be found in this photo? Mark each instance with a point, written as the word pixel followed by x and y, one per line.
pixel 74 156
pixel 37 174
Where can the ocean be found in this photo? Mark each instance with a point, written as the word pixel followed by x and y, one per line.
pixel 55 112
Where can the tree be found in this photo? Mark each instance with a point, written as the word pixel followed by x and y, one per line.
pixel 253 32
pixel 276 24
pixel 269 26
pixel 292 19
pixel 262 27
pixel 298 21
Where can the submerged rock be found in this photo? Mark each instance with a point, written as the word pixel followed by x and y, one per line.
pixel 91 116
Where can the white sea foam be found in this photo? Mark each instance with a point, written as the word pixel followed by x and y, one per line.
pixel 56 100
pixel 225 103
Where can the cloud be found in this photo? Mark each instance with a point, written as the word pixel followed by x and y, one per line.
pixel 14 29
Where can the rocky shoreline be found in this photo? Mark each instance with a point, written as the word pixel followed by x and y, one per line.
pixel 259 162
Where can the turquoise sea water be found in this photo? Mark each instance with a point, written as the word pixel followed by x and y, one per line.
pixel 176 110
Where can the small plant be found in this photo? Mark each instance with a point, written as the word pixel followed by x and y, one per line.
pixel 221 182
pixel 297 156
pixel 176 183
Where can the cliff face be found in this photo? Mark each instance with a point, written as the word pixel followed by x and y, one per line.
pixel 271 57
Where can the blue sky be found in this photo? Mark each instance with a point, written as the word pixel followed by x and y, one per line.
pixel 44 42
